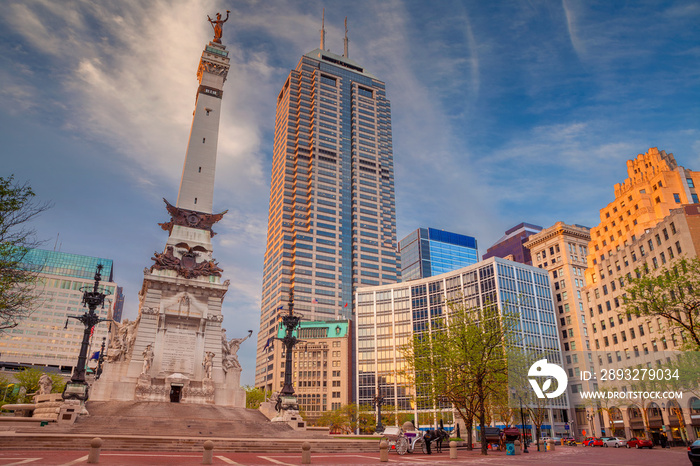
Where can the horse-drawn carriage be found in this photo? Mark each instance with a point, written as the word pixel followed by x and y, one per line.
pixel 404 442
pixel 408 441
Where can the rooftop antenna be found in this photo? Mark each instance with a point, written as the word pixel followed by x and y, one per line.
pixel 345 42
pixel 323 30
pixel 56 242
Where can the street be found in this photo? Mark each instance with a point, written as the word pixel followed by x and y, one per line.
pixel 568 455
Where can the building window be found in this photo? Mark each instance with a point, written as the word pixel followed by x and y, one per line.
pixel 677 198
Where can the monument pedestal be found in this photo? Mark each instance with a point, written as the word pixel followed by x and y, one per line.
pixel 175 351
pixel 292 418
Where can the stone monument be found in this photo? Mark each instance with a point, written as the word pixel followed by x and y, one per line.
pixel 176 350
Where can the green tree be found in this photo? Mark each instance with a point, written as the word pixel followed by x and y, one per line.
pixel 342 420
pixel 464 361
pixel 17 282
pixel 253 397
pixel 671 292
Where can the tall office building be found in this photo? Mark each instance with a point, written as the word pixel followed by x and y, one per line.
pixel 561 250
pixel 512 244
pixel 389 316
pixel 426 252
pixel 332 218
pixel 653 220
pixel 46 337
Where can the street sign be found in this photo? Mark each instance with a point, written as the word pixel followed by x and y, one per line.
pixel 566 427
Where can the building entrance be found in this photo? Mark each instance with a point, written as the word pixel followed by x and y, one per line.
pixel 175 393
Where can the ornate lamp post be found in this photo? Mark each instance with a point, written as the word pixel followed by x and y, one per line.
pixel 77 388
pixel 286 398
pixel 378 402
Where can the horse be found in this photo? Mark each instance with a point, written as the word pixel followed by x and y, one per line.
pixel 440 435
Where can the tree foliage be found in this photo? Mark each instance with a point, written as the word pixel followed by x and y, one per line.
pixel 465 361
pixel 253 397
pixel 17 282
pixel 341 420
pixel 671 292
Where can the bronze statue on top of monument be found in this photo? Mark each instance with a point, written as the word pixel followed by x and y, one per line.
pixel 218 26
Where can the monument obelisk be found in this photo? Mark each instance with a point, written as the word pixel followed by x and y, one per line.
pixel 176 350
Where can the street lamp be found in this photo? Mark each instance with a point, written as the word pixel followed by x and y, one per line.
pixel 77 388
pixel 571 428
pixel 522 425
pixel 590 418
pixel 378 402
pixel 286 398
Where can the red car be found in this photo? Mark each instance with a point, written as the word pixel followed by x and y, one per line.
pixel 587 441
pixel 639 443
pixel 598 442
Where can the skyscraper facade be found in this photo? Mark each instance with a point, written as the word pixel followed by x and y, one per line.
pixel 652 222
pixel 332 217
pixel 426 252
pixel 46 337
pixel 561 250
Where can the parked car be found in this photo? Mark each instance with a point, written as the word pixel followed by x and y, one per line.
pixel 568 441
pixel 588 441
pixel 620 442
pixel 614 442
pixel 635 442
pixel 694 453
pixel 598 442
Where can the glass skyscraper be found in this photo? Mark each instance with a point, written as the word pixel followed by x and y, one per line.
pixel 332 218
pixel 46 337
pixel 426 252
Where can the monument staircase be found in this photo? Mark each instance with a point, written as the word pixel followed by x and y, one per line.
pixel 156 426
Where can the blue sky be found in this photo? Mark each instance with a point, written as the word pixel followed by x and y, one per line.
pixel 502 112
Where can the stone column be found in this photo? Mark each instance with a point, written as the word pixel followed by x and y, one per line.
pixel 626 421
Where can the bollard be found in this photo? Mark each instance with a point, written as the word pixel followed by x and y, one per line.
pixel 453 450
pixel 518 449
pixel 550 445
pixel 208 457
pixel 95 447
pixel 383 451
pixel 305 453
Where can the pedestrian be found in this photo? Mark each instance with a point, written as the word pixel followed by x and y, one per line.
pixel 427 438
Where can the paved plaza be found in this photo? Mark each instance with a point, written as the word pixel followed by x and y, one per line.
pixel 572 456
